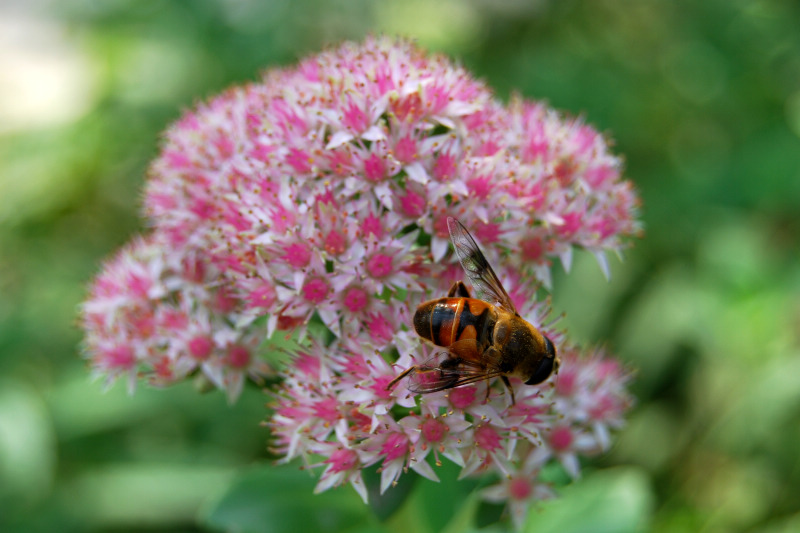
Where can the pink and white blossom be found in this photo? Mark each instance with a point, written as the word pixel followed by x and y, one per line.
pixel 318 196
pixel 165 315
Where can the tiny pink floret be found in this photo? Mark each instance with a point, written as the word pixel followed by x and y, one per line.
pixel 119 357
pixel 433 430
pixel 374 168
pixel 297 255
pixel 462 397
pixel 262 297
pixel 395 447
pixel 316 290
pixel 519 488
pixel 412 204
pixel 379 387
pixel 379 265
pixel 238 357
pixel 561 438
pixel 445 167
pixel 372 226
pixel 405 150
pixel 335 243
pixel 487 438
pixel 342 460
pixel 327 410
pixel 380 329
pixel 355 119
pixel 200 347
pixel 299 160
pixel 355 299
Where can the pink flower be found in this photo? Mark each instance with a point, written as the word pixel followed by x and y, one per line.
pixel 174 327
pixel 344 466
pixel 317 199
pixel 519 490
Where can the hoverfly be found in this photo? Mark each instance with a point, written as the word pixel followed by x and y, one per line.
pixel 485 338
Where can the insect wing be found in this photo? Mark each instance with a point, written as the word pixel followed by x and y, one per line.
pixel 479 271
pixel 443 371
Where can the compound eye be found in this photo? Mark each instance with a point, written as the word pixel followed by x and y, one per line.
pixel 545 366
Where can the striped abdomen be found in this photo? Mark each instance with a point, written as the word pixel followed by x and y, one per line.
pixel 447 320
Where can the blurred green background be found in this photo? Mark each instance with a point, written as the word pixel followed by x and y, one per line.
pixel 703 100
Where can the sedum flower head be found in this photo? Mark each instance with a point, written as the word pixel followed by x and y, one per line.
pixel 164 315
pixel 321 193
pixel 330 183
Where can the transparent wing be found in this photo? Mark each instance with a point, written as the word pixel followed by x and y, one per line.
pixel 483 279
pixel 446 371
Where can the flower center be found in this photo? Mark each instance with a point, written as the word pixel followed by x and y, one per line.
pixel 238 357
pixel 342 460
pixel 405 150
pixel 433 430
pixel 335 243
pixel 519 489
pixel 263 296
pixel 445 167
pixel 532 248
pixel 487 438
pixel 120 357
pixel 355 299
pixel 372 224
pixel 412 204
pixel 327 409
pixel 315 291
pixel 395 447
pixel 462 397
pixel 379 327
pixel 561 439
pixel 200 347
pixel 297 255
pixel 374 168
pixel 379 265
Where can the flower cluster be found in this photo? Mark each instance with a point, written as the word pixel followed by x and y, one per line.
pixel 322 193
pixel 165 316
pixel 335 406
pixel 318 185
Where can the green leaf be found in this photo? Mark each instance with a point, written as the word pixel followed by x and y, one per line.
pixel 384 505
pixel 440 502
pixel 488 514
pixel 278 499
pixel 617 500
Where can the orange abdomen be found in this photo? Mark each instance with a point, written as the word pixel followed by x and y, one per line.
pixel 447 320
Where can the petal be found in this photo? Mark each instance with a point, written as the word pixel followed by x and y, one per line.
pixel 358 483
pixel 602 260
pixel 416 172
pixel 424 469
pixel 338 139
pixel 390 473
pixel 566 259
pixel 455 456
pixel 374 133
pixel 571 465
pixel 438 249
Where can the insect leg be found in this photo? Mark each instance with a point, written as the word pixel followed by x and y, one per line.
pixel 406 372
pixel 510 389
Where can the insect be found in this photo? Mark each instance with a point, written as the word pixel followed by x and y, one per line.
pixel 485 338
